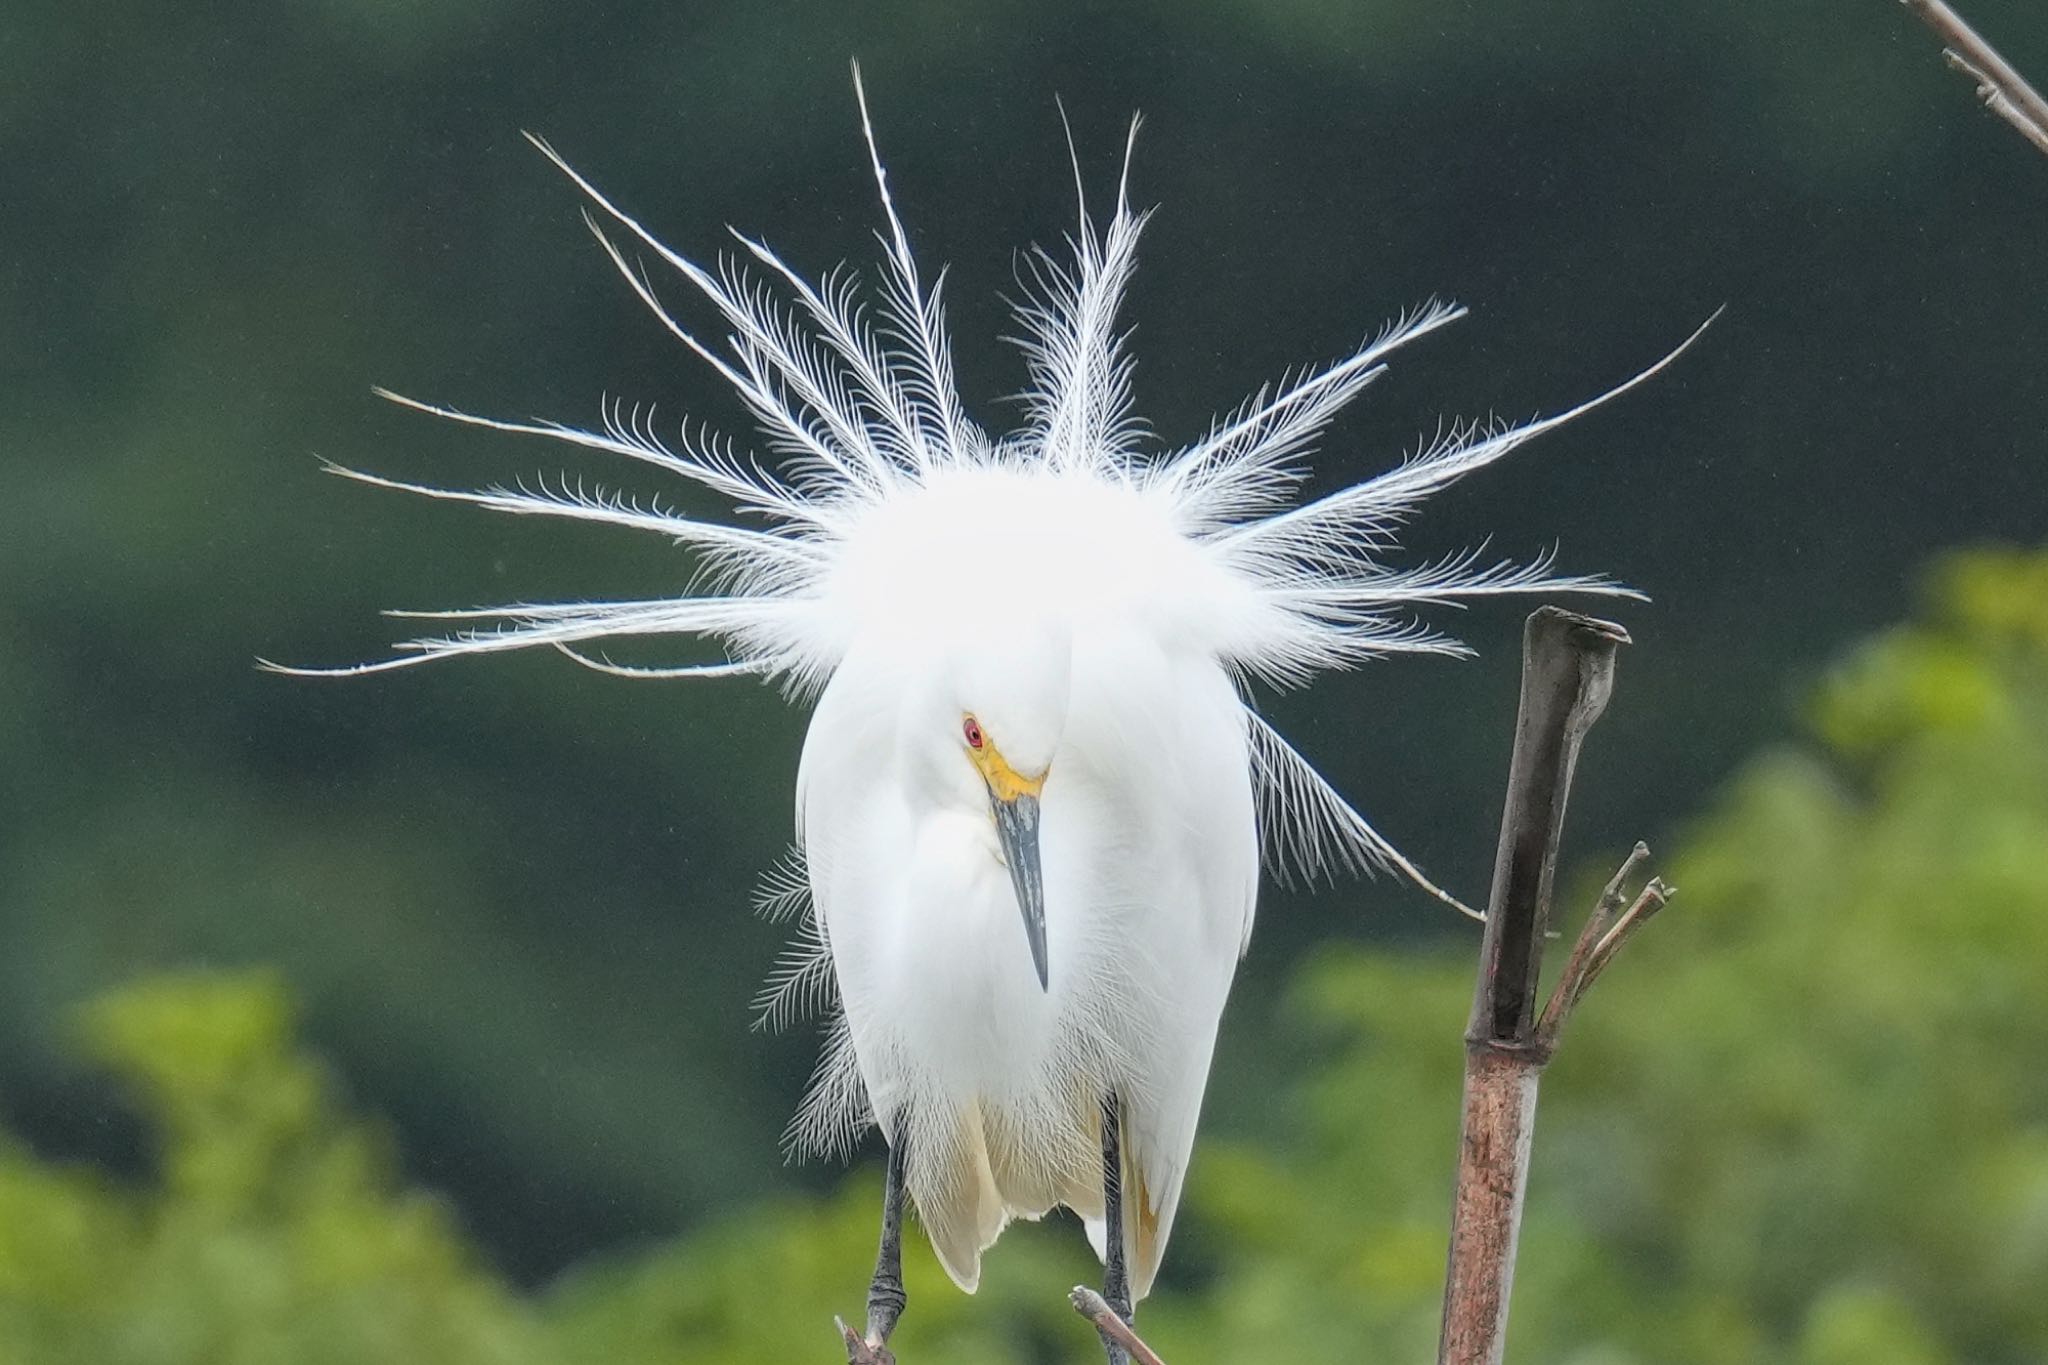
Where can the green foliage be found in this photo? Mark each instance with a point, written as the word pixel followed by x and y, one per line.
pixel 1805 1121
pixel 270 1231
pixel 273 1229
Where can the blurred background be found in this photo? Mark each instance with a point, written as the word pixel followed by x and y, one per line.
pixel 406 1018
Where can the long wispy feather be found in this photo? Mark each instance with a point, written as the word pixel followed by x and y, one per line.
pixel 1311 832
pixel 1365 514
pixel 878 497
pixel 1245 465
pixel 1078 404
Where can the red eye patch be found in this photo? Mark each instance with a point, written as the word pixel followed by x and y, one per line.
pixel 970 729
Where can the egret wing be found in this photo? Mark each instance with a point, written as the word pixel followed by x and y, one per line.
pixel 1183 943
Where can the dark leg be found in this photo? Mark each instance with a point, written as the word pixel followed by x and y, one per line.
pixel 1116 1279
pixel 885 1292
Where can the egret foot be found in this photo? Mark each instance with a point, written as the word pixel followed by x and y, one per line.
pixel 1116 1279
pixel 859 1352
pixel 886 1296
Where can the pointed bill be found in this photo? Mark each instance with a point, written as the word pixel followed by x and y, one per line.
pixel 1017 829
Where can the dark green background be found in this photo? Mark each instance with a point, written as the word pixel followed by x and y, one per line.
pixel 514 893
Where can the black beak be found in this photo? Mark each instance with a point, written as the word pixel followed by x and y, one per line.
pixel 1017 827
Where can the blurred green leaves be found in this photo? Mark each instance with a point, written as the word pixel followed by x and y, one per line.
pixel 270 1231
pixel 273 1229
pixel 1805 1123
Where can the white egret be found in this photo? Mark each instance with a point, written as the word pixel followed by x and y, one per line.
pixel 1032 794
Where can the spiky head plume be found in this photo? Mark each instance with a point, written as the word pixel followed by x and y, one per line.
pixel 879 505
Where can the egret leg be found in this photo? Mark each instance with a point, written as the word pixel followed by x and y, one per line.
pixel 886 1296
pixel 1116 1279
pixel 885 1292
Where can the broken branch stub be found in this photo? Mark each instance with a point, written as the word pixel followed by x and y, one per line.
pixel 1567 676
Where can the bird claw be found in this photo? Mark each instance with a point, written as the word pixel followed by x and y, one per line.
pixel 863 1352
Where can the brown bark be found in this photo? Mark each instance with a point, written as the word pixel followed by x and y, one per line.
pixel 1493 1174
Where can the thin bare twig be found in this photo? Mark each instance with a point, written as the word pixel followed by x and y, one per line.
pixel 1606 913
pixel 1654 897
pixel 1607 928
pixel 2002 89
pixel 1092 1306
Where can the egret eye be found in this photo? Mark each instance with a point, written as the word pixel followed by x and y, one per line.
pixel 970 729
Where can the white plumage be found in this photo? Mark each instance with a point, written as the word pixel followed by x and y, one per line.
pixel 1060 614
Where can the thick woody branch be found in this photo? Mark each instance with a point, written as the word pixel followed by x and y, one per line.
pixel 2002 89
pixel 1567 676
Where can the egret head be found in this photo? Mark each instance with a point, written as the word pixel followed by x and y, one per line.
pixel 1013 800
pixel 1010 714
